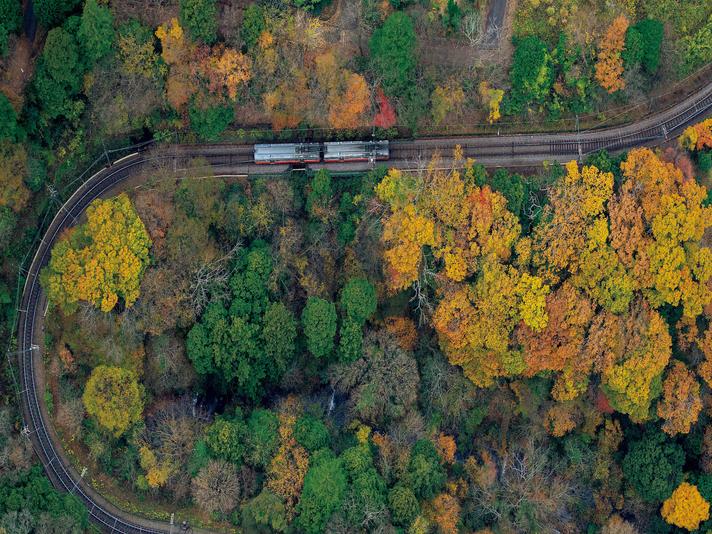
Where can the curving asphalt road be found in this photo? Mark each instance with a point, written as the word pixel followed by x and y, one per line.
pixel 511 150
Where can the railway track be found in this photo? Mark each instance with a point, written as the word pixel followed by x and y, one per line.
pixel 237 159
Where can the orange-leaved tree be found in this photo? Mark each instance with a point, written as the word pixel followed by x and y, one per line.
pixel 560 347
pixel 226 69
pixel 220 70
pixel 345 93
pixel 609 66
pixel 101 260
pixel 444 511
pixel 13 169
pixel 704 369
pixel 681 403
pixel 698 136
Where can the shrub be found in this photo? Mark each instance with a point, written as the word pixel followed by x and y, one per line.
pixel 262 437
pixel 208 123
pixel 358 300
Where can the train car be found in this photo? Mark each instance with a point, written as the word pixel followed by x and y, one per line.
pixel 275 154
pixel 356 151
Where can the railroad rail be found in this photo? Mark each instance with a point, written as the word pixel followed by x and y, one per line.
pixel 508 150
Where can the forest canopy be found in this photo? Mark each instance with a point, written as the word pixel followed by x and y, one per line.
pixel 439 350
pixel 365 343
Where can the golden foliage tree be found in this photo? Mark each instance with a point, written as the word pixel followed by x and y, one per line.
pixel 139 58
pixel 226 70
pixel 445 99
pixel 285 103
pixel 475 322
pixel 462 223
pixel 114 396
pixel 681 404
pixel 220 70
pixel 446 448
pixel 101 260
pixel 576 203
pixel 686 508
pixel 471 234
pixel 157 473
pixel 307 81
pixel 560 419
pixel 609 66
pixel 176 51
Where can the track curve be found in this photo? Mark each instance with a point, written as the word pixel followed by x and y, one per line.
pixel 511 150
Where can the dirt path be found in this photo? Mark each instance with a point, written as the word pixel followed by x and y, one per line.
pixel 17 71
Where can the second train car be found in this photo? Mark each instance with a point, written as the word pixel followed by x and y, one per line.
pixel 296 153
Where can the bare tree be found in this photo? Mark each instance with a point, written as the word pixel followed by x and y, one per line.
pixel 472 28
pixel 421 296
pixel 528 475
pixel 209 281
pixel 70 415
pixel 216 488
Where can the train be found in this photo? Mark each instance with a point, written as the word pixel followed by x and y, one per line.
pixel 303 153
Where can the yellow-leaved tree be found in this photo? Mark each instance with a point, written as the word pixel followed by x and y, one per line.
pixel 157 473
pixel 491 98
pixel 101 260
pixel 286 472
pixel 471 235
pixel 686 508
pixel 114 396
pixel 658 219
